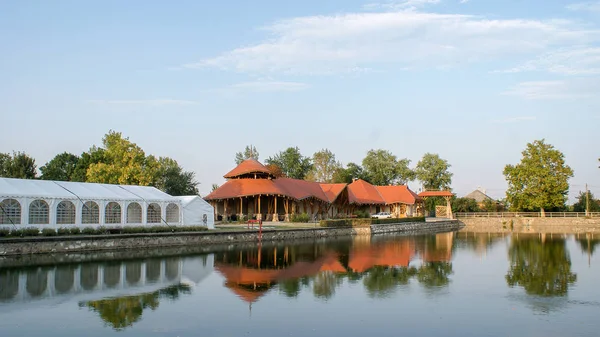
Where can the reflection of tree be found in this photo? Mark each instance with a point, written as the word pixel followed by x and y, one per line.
pixel 382 281
pixel 543 269
pixel 434 274
pixel 588 246
pixel 122 312
pixel 324 284
pixel 291 287
pixel 9 284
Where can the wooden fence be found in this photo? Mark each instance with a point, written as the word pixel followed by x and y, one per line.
pixel 527 215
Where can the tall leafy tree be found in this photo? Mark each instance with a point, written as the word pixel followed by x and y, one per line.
pixel 349 173
pixel 540 181
pixel 275 170
pixel 292 163
pixel 465 205
pixel 383 168
pixel 18 165
pixel 433 172
pixel 324 166
pixel 94 156
pixel 249 152
pixel 583 202
pixel 61 167
pixel 173 180
pixel 125 163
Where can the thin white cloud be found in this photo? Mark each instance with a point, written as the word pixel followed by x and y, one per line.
pixel 400 5
pixel 592 6
pixel 269 86
pixel 579 88
pixel 571 61
pixel 151 102
pixel 464 1
pixel 514 119
pixel 331 44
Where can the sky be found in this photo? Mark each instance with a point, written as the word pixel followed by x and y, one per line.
pixel 473 81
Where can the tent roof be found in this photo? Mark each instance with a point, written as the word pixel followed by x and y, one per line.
pixel 19 188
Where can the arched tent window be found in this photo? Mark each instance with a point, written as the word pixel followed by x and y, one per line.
pixel 172 213
pixel 112 213
pixel 153 213
pixel 134 213
pixel 39 212
pixel 90 213
pixel 10 212
pixel 65 213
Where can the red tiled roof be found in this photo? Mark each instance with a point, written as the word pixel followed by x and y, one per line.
pixel 332 191
pixel 300 189
pixel 361 192
pixel 236 188
pixel 436 194
pixel 398 194
pixel 246 167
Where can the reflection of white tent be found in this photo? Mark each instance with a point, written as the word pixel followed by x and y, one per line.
pixel 195 269
pixel 197 212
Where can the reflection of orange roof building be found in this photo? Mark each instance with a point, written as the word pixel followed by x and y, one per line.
pixel 252 190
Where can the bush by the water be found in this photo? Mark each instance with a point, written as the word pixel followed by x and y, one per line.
pixel 300 218
pixel 366 222
pixel 362 214
pixel 48 232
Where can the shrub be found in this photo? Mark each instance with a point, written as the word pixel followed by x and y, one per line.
pixel 101 230
pixel 63 231
pixel 75 230
pixel 300 218
pixel 350 223
pixel 4 232
pixel 48 232
pixel 31 231
pixel 362 214
pixel 88 231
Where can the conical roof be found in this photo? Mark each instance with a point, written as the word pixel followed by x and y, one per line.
pixel 248 166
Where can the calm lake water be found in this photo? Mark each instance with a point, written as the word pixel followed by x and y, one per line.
pixel 450 284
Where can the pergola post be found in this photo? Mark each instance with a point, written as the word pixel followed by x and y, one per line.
pixel 448 208
pixel 259 215
pixel 241 209
pixel 275 215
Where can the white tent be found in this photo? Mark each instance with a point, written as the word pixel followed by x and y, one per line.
pixel 197 212
pixel 44 203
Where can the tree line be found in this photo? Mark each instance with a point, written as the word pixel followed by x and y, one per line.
pixel 117 161
pixel 379 167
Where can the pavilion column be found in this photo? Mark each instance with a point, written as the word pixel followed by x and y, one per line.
pixel 275 213
pixel 287 210
pixel 241 209
pixel 448 208
pixel 259 215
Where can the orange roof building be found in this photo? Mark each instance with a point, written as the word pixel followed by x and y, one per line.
pixel 253 191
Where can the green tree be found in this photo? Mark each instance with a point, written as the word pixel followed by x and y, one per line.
pixel 214 187
pixel 61 167
pixel 349 173
pixel 540 181
pixel 433 172
pixel 18 165
pixel 124 163
pixel 582 202
pixel 324 167
pixel 383 168
pixel 541 268
pixel 249 152
pixel 94 156
pixel 173 180
pixel 465 205
pixel 292 163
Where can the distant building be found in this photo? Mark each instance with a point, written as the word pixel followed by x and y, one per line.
pixel 480 197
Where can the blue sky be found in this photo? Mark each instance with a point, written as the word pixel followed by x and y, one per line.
pixel 197 81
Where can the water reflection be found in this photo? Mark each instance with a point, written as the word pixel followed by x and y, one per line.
pixel 541 266
pixel 381 263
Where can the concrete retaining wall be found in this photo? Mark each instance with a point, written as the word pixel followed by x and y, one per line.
pixel 41 245
pixel 532 225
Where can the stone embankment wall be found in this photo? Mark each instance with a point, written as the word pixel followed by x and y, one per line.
pixel 41 245
pixel 531 225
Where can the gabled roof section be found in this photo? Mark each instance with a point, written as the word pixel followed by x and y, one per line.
pixel 398 194
pixel 361 192
pixel 478 196
pixel 332 191
pixel 236 188
pixel 300 189
pixel 248 166
pixel 436 194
